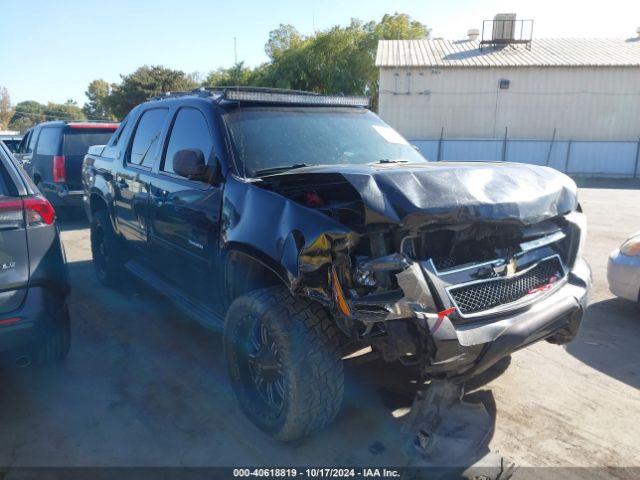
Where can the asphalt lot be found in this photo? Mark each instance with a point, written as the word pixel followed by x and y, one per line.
pixel 145 387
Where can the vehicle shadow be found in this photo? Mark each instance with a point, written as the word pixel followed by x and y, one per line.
pixel 148 386
pixel 69 224
pixel 610 183
pixel 609 338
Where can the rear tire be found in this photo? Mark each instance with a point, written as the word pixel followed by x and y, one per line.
pixel 284 359
pixel 56 348
pixel 107 250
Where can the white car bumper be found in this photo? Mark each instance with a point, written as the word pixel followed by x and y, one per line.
pixel 623 274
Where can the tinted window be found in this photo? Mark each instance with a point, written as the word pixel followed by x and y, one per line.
pixel 12 145
pixel 49 142
pixel 22 148
pixel 115 139
pixel 147 136
pixel 32 141
pixel 4 177
pixel 189 131
pixel 77 142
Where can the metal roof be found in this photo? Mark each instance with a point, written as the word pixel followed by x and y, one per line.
pixel 544 52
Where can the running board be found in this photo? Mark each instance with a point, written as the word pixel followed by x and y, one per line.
pixel 202 314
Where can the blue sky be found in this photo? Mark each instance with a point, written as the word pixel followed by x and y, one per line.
pixel 51 50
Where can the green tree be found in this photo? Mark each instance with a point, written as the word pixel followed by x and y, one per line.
pixel 337 60
pixel 283 38
pixel 6 109
pixel 27 114
pixel 21 124
pixel 146 82
pixel 400 26
pixel 236 75
pixel 68 111
pixel 98 106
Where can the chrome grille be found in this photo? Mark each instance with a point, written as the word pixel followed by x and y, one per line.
pixel 479 296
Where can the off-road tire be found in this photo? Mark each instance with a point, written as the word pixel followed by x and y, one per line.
pixel 108 258
pixel 56 347
pixel 308 343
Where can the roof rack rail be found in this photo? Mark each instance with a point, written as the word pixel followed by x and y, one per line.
pixel 167 95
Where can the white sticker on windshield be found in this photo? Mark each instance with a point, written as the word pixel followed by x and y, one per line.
pixel 389 134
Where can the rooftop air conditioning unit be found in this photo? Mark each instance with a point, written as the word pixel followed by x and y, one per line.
pixel 504 27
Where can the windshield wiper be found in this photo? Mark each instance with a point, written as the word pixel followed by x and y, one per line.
pixel 267 171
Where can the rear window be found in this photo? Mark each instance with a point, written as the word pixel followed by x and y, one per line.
pixel 5 179
pixel 4 191
pixel 77 142
pixel 49 141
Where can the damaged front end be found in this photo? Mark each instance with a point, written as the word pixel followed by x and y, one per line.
pixel 446 267
pixel 436 264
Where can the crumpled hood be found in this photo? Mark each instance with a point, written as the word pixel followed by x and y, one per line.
pixel 450 192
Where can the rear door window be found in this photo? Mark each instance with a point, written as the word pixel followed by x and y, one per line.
pixel 7 185
pixel 189 130
pixel 32 141
pixel 4 177
pixel 147 137
pixel 78 141
pixel 49 142
pixel 22 148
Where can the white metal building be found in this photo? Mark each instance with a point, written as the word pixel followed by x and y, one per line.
pixel 572 104
pixel 586 89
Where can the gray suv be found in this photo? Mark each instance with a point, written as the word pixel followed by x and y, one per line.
pixel 34 319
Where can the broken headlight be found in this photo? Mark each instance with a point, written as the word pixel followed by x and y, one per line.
pixel 579 221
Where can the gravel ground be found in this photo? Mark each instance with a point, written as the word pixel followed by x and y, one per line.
pixel 145 387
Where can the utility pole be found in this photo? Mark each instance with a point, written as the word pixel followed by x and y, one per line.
pixel 235 59
pixel 235 50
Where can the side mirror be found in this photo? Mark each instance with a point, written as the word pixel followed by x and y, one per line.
pixel 189 163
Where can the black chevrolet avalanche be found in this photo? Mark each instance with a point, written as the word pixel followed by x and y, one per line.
pixel 307 228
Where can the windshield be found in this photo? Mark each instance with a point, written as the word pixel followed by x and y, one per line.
pixel 269 138
pixel 77 142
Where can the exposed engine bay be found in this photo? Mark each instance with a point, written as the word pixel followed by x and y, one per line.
pixel 412 273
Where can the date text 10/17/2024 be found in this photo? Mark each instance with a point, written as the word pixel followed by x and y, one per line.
pixel 316 473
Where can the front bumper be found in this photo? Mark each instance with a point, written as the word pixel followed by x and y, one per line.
pixel 40 315
pixel 623 275
pixel 468 349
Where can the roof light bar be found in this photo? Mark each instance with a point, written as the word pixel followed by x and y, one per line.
pixel 295 98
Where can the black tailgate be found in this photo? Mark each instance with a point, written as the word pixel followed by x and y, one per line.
pixel 75 144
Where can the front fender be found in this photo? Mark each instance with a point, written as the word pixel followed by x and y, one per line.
pixel 299 238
